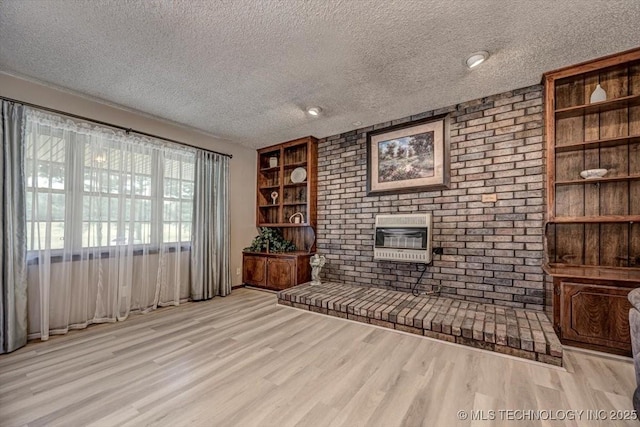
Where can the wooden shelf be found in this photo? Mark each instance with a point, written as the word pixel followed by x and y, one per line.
pixel 274 169
pixel 295 165
pixel 599 180
pixel 294 204
pixel 598 107
pixel 285 225
pixel 277 254
pixel 296 184
pixel 595 219
pixel 268 206
pixel 598 143
pixel 269 187
pixel 622 274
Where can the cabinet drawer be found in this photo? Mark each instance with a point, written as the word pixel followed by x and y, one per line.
pixel 595 314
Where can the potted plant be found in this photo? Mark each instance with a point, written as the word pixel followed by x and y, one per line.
pixel 270 240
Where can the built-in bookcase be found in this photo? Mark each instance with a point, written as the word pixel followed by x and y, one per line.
pixel 286 200
pixel 593 228
pixel 280 169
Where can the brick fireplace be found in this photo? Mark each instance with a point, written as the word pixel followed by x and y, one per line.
pixel 493 251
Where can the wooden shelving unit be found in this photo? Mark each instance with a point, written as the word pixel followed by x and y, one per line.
pixel 291 197
pixel 593 226
pixel 276 166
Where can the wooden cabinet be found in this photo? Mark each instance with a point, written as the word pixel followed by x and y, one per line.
pixel 593 225
pixel 286 200
pixel 276 271
pixel 596 314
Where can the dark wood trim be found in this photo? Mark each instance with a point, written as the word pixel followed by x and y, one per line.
pixel 594 347
pixel 598 180
pixel 598 107
pixel 619 276
pixel 595 219
pixel 598 143
pixel 594 64
pixel 550 132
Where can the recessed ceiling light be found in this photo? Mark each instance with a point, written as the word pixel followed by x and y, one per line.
pixel 314 111
pixel 477 58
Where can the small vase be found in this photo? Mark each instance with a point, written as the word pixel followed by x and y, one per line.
pixel 598 94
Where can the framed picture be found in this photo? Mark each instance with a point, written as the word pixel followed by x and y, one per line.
pixel 409 157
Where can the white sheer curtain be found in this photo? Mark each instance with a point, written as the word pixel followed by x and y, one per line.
pixel 109 219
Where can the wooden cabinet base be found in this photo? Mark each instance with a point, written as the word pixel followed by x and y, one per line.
pixel 593 314
pixel 275 271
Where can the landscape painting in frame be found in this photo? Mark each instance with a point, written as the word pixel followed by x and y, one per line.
pixel 408 157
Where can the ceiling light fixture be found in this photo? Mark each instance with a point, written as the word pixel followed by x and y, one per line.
pixel 314 111
pixel 477 58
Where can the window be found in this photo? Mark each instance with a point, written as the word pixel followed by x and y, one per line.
pixel 91 187
pixel 45 181
pixel 178 199
pixel 117 202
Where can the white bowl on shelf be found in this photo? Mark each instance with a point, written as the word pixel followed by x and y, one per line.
pixel 593 173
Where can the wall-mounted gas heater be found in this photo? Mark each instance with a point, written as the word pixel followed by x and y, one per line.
pixel 403 237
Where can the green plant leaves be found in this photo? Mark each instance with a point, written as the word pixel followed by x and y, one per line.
pixel 270 240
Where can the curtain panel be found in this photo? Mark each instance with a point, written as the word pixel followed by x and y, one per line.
pixel 109 223
pixel 210 270
pixel 13 273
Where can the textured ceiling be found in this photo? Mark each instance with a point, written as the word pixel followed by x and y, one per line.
pixel 245 70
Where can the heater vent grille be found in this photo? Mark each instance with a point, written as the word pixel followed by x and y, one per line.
pixel 405 220
pixel 403 238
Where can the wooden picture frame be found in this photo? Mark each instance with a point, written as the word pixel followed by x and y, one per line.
pixel 409 157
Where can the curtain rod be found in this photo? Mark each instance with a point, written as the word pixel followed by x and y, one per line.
pixel 128 130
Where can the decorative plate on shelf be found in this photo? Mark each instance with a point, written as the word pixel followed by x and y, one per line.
pixel 298 175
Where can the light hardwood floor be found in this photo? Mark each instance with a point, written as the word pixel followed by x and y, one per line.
pixel 244 361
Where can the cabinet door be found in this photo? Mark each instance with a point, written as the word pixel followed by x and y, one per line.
pixel 595 314
pixel 254 270
pixel 280 273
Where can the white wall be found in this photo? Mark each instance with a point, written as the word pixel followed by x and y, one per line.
pixel 242 166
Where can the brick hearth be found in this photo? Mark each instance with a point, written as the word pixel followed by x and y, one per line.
pixel 514 331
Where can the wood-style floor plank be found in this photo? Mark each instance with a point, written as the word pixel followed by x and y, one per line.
pixel 244 361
